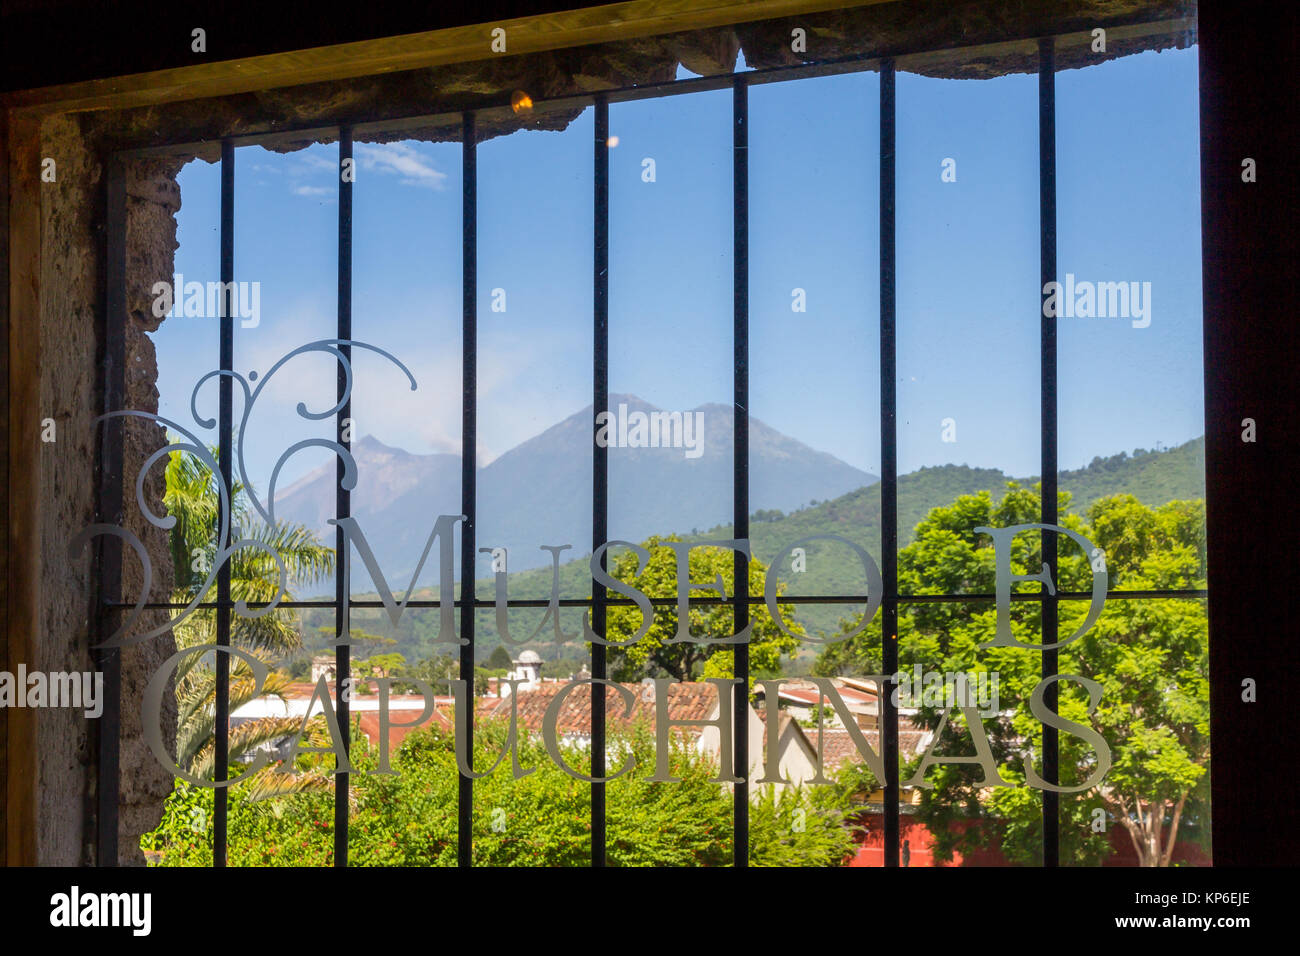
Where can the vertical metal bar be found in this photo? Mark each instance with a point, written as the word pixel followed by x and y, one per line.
pixel 740 458
pixel 468 489
pixel 1047 425
pixel 599 463
pixel 109 660
pixel 343 503
pixel 225 424
pixel 888 460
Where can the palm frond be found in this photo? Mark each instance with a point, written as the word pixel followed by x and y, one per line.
pixel 269 783
pixel 193 499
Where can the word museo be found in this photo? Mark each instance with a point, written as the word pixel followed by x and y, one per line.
pixel 443 533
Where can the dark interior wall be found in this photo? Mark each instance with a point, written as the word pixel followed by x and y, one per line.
pixel 1248 58
pixel 4 458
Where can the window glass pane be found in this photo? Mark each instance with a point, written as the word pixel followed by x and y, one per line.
pixel 670 308
pixel 406 300
pixel 814 446
pixel 1132 451
pixel 187 346
pixel 534 480
pixel 1130 435
pixel 968 425
pixel 186 351
pixel 285 217
pixel 286 238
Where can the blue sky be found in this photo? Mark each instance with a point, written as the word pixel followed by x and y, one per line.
pixel 968 296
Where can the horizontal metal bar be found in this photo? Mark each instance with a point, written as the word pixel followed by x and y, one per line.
pixel 702 601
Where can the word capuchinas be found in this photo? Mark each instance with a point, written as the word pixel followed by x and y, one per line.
pixel 443 532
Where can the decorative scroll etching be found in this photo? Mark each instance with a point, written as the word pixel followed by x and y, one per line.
pixel 124 636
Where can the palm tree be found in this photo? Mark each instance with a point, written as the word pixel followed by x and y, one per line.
pixel 192 498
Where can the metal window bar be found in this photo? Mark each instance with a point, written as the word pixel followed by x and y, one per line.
pixel 1047 432
pixel 468 488
pixel 225 428
pixel 740 465
pixel 599 463
pixel 888 459
pixel 343 503
pixel 111 454
pixel 109 511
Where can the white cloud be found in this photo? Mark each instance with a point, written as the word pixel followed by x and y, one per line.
pixel 314 161
pixel 402 160
pixel 306 167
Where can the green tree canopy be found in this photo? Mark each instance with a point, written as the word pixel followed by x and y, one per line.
pixel 542 819
pixel 653 655
pixel 1150 657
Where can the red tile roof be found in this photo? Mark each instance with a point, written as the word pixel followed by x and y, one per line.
pixel 689 701
pixel 806 692
pixel 838 746
pixel 369 721
pixel 686 701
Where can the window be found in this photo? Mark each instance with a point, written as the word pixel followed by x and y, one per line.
pixel 827 190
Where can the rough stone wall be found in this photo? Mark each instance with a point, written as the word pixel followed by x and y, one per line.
pixel 70 281
pixel 152 200
pixel 960 30
pixel 71 394
pixel 963 26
